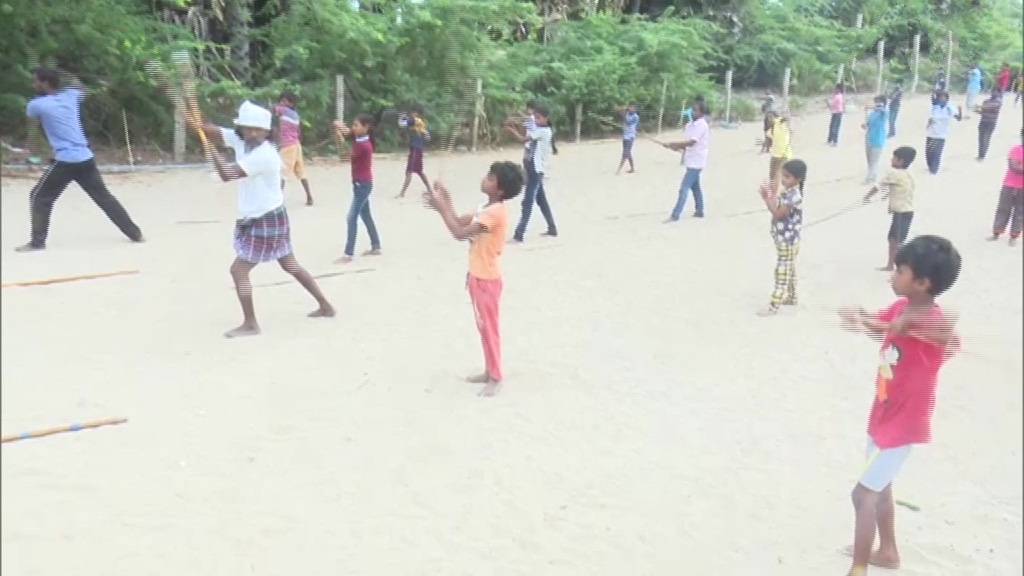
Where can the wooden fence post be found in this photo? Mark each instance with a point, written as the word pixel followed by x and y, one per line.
pixel 579 122
pixel 661 107
pixel 916 64
pixel 728 96
pixel 477 111
pixel 339 97
pixel 786 77
pixel 880 80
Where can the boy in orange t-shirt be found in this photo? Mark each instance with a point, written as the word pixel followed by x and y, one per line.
pixel 486 230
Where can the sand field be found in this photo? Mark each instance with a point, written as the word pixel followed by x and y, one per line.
pixel 650 425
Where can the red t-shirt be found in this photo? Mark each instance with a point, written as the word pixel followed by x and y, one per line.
pixel 362 160
pixel 1015 179
pixel 908 374
pixel 1004 80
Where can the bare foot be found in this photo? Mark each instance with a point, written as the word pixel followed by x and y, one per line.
pixel 669 221
pixel 1013 241
pixel 478 379
pixel 630 171
pixel 550 234
pixel 322 312
pixel 243 330
pixel 343 260
pixel 30 247
pixel 514 241
pixel 372 252
pixel 490 389
pixel 769 311
pixel 790 302
pixel 399 196
pixel 878 559
pixel 993 238
pixel 309 201
pixel 884 268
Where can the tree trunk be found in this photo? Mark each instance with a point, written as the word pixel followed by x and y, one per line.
pixel 239 17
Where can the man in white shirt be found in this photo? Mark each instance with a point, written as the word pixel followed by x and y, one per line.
pixel 695 145
pixel 263 231
pixel 939 119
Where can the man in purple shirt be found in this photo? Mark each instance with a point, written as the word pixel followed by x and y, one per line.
pixel 695 158
pixel 58 111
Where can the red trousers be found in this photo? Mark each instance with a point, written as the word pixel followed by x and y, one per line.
pixel 486 297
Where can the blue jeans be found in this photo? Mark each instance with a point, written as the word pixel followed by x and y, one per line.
pixel 894 111
pixel 690 180
pixel 534 194
pixel 360 208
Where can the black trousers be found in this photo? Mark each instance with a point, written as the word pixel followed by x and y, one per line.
pixel 894 111
pixel 985 130
pixel 833 128
pixel 933 153
pixel 53 183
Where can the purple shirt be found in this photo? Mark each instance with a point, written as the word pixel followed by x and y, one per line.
pixel 288 131
pixel 697 154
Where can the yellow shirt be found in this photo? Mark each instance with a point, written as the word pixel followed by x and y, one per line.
pixel 899 184
pixel 779 133
pixel 485 248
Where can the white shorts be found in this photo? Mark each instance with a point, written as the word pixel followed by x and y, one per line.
pixel 882 466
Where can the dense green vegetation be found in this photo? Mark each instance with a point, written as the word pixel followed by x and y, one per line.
pixel 597 53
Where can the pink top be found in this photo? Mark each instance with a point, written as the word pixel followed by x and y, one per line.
pixel 697 154
pixel 1015 179
pixel 908 375
pixel 837 103
pixel 288 130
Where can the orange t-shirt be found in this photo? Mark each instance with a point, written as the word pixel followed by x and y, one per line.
pixel 485 248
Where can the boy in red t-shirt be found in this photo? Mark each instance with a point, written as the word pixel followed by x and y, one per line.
pixel 916 338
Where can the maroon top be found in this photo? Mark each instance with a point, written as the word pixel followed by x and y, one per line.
pixel 362 160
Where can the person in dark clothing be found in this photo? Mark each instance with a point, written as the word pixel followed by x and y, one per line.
pixel 58 111
pixel 895 100
pixel 989 110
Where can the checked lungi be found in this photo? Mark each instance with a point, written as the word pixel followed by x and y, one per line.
pixel 264 238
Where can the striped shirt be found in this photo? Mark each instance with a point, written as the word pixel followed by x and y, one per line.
pixel 529 125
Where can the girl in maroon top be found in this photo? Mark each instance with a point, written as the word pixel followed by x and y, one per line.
pixel 362 185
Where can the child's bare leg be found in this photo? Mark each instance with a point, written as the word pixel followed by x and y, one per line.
pixel 309 195
pixel 405 185
pixel 894 247
pixel 426 182
pixel 887 555
pixel 290 265
pixel 243 288
pixel 865 505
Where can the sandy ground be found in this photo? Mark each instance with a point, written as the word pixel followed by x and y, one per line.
pixel 651 424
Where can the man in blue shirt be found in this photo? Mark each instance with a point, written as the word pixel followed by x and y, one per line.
pixel 877 125
pixel 630 122
pixel 973 87
pixel 58 111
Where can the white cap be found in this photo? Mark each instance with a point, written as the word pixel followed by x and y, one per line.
pixel 252 116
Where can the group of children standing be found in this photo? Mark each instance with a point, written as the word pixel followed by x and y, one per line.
pixel 916 335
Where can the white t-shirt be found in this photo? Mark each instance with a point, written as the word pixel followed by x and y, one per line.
pixel 697 154
pixel 260 191
pixel 541 136
pixel 941 116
